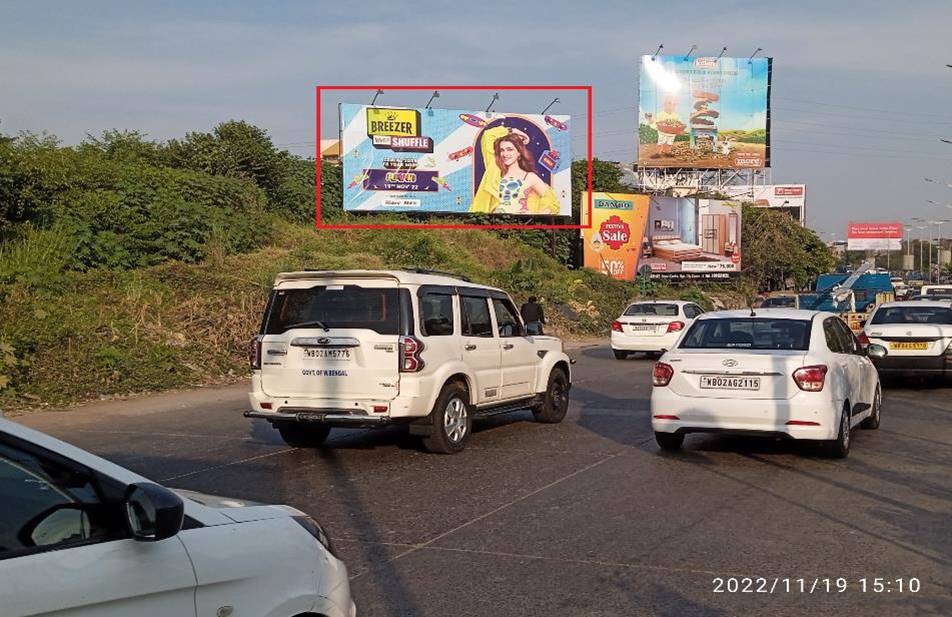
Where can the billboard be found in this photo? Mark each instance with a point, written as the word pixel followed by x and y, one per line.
pixel 874 236
pixel 613 244
pixel 679 238
pixel 704 113
pixel 789 198
pixel 401 159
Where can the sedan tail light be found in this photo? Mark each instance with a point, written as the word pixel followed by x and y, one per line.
pixel 410 350
pixel 662 374
pixel 254 353
pixel 863 339
pixel 811 378
pixel 616 326
pixel 675 326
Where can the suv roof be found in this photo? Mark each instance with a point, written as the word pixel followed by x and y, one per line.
pixel 404 277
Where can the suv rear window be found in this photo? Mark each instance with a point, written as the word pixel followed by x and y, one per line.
pixel 748 333
pixel 663 310
pixel 780 302
pixel 336 306
pixel 913 315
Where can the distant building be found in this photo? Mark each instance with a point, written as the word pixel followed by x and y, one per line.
pixel 330 150
pixel 838 248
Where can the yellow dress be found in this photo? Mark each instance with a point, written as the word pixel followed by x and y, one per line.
pixel 488 196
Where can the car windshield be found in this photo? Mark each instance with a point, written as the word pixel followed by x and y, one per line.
pixel 335 306
pixel 783 302
pixel 748 333
pixel 913 315
pixel 663 310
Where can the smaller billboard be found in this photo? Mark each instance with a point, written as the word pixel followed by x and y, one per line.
pixel 614 242
pixel 874 236
pixel 789 198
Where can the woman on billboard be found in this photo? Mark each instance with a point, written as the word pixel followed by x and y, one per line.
pixel 510 184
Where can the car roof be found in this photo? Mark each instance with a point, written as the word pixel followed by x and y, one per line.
pixel 678 302
pixel 917 303
pixel 765 313
pixel 403 277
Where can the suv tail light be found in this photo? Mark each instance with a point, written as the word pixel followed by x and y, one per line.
pixel 662 374
pixel 863 339
pixel 675 326
pixel 810 378
pixel 254 353
pixel 616 326
pixel 410 350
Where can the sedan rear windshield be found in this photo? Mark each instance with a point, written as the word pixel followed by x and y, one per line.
pixel 663 310
pixel 913 315
pixel 337 306
pixel 748 333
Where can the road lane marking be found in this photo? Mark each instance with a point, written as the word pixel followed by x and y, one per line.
pixel 223 465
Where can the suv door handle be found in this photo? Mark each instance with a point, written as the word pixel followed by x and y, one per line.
pixel 469 347
pixel 508 346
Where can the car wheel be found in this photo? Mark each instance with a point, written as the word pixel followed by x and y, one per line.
pixel 302 435
pixel 556 401
pixel 669 441
pixel 840 447
pixel 452 421
pixel 872 422
pixel 620 355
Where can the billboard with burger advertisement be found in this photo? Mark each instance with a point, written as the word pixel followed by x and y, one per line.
pixel 704 113
pixel 666 237
pixel 455 161
pixel 874 236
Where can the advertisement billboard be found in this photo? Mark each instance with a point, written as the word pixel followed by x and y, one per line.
pixel 688 238
pixel 400 159
pixel 874 236
pixel 789 198
pixel 613 244
pixel 704 113
pixel 666 237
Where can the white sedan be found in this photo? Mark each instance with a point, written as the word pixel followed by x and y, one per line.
pixel 82 537
pixel 917 334
pixel 773 372
pixel 651 326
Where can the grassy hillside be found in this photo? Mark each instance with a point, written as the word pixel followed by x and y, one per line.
pixel 110 331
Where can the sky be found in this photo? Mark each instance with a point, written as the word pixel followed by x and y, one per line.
pixel 861 91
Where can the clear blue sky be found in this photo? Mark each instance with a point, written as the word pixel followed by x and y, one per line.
pixel 861 91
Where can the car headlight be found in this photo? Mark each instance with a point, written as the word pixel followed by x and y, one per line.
pixel 314 528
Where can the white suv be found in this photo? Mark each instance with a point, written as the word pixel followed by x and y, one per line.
pixel 363 348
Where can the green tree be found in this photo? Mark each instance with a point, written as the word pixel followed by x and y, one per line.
pixel 776 249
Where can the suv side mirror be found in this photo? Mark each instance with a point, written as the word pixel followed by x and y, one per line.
pixel 876 351
pixel 152 512
pixel 534 328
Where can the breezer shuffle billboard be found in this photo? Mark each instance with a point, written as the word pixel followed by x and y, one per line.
pixel 883 236
pixel 455 161
pixel 705 113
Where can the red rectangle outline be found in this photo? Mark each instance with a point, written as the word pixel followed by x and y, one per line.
pixel 317 158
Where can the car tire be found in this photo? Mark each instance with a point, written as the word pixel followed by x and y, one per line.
pixel 840 447
pixel 452 421
pixel 620 355
pixel 302 435
pixel 872 422
pixel 555 402
pixel 669 441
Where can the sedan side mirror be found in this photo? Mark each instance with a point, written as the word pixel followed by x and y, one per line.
pixel 534 328
pixel 876 351
pixel 152 512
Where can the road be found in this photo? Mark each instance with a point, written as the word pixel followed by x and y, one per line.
pixel 582 518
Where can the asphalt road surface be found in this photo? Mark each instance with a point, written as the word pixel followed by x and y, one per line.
pixel 584 518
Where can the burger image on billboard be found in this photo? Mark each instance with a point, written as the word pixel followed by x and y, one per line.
pixel 705 113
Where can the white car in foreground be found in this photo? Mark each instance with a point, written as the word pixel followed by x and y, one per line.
pixel 651 326
pixel 774 372
pixel 918 336
pixel 82 537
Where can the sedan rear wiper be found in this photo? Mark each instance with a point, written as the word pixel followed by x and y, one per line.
pixel 308 324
